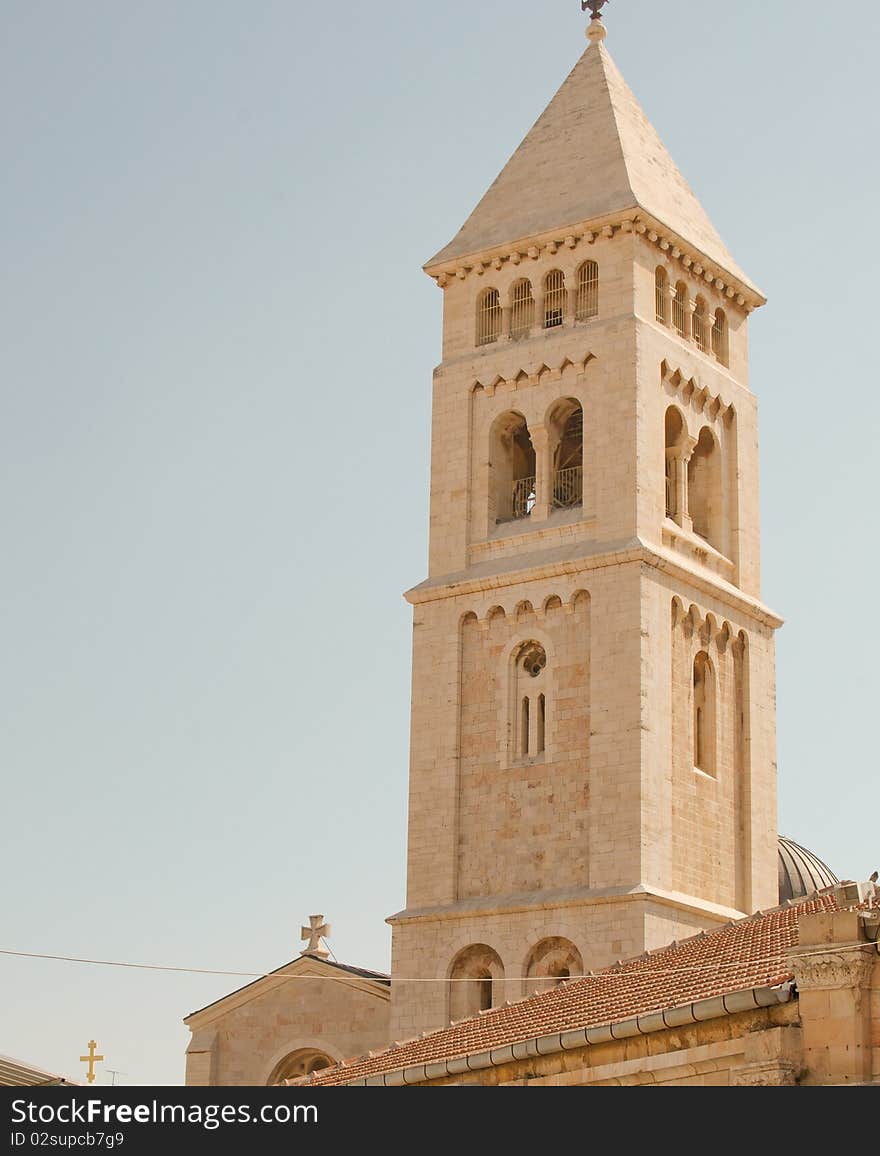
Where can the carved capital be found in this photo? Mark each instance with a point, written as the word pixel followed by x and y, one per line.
pixel 774 1074
pixel 540 436
pixel 817 970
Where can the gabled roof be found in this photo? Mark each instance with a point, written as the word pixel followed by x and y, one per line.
pixel 299 966
pixel 592 152
pixel 18 1074
pixel 750 953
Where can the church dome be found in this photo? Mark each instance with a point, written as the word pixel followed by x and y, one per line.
pixel 800 872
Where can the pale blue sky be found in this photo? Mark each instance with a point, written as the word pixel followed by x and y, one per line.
pixel 217 348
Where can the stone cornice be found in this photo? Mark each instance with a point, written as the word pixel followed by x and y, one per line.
pixel 634 551
pixel 625 222
pixel 571 897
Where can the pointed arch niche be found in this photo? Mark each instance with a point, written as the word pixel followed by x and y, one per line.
pixel 551 962
pixel 474 981
pixel 705 494
pixel 565 425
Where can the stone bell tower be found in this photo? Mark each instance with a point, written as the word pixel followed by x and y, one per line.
pixel 593 718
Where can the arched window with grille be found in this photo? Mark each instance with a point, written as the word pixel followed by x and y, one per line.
pixel 522 309
pixel 587 304
pixel 554 299
pixel 719 337
pixel 661 295
pixel 704 714
pixel 680 317
pixel 488 317
pixel 701 325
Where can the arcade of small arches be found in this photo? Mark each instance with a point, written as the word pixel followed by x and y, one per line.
pixel 524 610
pixel 477 974
pixel 691 317
pixel 530 677
pixel 524 309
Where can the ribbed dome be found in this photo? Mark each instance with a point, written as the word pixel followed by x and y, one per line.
pixel 800 872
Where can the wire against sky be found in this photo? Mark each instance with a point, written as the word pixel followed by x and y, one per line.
pixel 711 965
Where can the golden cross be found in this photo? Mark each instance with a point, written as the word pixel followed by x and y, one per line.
pixel 91 1059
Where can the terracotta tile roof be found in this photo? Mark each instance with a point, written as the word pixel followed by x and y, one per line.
pixel 749 953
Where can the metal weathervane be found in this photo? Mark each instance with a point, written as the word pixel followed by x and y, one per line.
pixel 595 7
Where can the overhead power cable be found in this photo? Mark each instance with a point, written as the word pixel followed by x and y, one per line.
pixel 613 973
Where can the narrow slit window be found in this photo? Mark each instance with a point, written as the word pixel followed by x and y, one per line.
pixel 587 291
pixel 704 714
pixel 484 985
pixel 542 723
pixel 524 727
pixel 554 299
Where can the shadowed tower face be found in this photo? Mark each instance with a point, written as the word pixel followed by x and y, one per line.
pixel 593 730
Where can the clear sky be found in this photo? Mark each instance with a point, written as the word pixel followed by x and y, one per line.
pixel 217 347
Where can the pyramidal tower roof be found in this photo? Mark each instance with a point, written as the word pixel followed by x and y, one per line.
pixel 591 153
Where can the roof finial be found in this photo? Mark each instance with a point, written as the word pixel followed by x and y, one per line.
pixel 596 29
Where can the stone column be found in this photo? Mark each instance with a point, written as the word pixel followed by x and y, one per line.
pixel 538 322
pixel 679 456
pixel 572 302
pixel 543 473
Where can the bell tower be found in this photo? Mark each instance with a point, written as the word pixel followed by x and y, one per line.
pixel 593 718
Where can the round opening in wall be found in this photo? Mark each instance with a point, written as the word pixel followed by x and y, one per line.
pixel 533 659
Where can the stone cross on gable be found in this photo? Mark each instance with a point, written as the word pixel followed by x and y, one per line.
pixel 314 933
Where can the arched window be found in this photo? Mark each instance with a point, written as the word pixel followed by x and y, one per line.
pixel 701 325
pixel 551 962
pixel 567 431
pixel 661 295
pixel 522 309
pixel 704 714
pixel 587 304
pixel 680 317
pixel 299 1063
pixel 488 317
pixel 530 697
pixel 674 488
pixel 554 299
pixel 719 337
pixel 512 468
pixel 473 978
pixel 704 489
